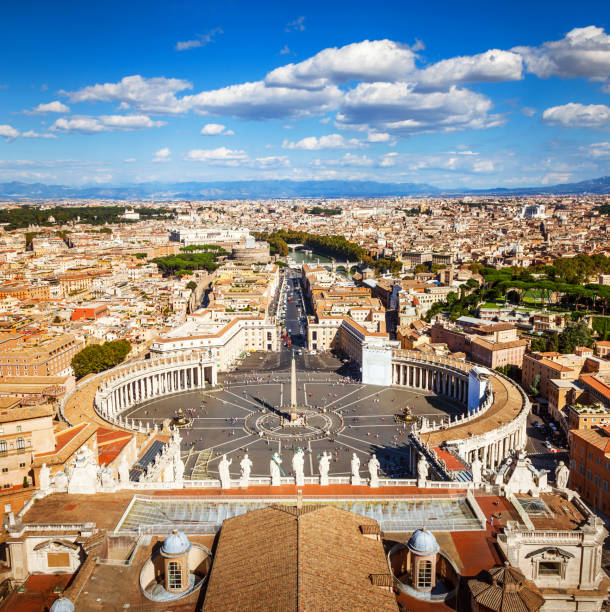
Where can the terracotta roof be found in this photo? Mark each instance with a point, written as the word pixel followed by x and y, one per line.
pixel 67 442
pixel 282 558
pixel 504 588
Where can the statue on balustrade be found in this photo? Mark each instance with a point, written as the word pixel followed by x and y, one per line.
pixel 223 470
pixel 298 465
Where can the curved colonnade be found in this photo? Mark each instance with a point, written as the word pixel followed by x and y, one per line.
pixel 492 432
pixel 127 386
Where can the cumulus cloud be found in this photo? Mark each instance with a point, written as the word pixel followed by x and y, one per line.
pixel 378 137
pixel 162 155
pixel 329 141
pixel 34 134
pixel 222 156
pixel 8 132
pixel 583 52
pixel 257 101
pixel 156 94
pixel 370 60
pixel 105 123
pixel 397 109
pixel 50 107
pixel 216 129
pixel 200 41
pixel 578 115
pixel 492 66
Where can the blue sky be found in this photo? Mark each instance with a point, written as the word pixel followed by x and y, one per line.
pixel 481 95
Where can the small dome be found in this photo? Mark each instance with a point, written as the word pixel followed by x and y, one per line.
pixel 422 542
pixel 63 604
pixel 175 544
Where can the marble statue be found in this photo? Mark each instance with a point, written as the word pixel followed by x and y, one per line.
pixel 82 476
pixel 123 471
pixel 44 478
pixel 562 475
pixel 374 466
pixel 355 469
pixel 422 471
pixel 178 469
pixel 324 467
pixel 298 464
pixel 477 470
pixel 274 467
pixel 107 483
pixel 246 467
pixel 223 469
pixel 60 482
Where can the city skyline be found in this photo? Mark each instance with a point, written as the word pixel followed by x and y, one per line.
pixel 227 91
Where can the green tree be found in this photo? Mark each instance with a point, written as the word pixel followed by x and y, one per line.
pixel 192 285
pixel 99 357
pixel 577 334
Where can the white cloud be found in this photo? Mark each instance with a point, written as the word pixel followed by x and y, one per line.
pixel 584 52
pixel 597 149
pixel 492 66
pixel 378 137
pixel 329 141
pixel 388 160
pixel 50 107
pixel 162 155
pixel 297 25
pixel 130 122
pixel 376 60
pixel 150 95
pixel 129 160
pixel 201 41
pixel 397 109
pixel 553 178
pixel 8 132
pixel 274 161
pixel 105 123
pixel 215 129
pixel 33 134
pixel 285 50
pixel 220 156
pixel 528 111
pixel 349 160
pixel 256 101
pixel 578 115
pixel 483 165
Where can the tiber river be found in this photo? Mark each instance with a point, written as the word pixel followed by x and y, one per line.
pixel 301 257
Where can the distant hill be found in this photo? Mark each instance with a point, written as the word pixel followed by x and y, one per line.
pixel 217 190
pixel 274 189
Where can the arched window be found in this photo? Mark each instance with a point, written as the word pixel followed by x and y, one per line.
pixel 174 576
pixel 424 575
pixel 20 443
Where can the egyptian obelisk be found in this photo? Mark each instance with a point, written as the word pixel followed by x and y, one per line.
pixel 293 389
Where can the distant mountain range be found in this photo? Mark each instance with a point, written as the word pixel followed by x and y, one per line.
pixel 229 190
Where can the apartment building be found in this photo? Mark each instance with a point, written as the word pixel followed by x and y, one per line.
pixel 41 356
pixel 590 463
pixel 25 292
pixel 24 430
pixel 490 344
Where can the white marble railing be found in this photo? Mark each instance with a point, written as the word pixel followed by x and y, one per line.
pixel 446 422
pixel 126 387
